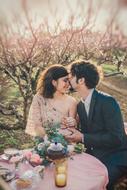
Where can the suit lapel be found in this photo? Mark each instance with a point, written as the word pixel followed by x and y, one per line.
pixel 83 117
pixel 82 111
pixel 93 100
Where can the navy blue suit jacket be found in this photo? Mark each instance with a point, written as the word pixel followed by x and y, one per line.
pixel 103 129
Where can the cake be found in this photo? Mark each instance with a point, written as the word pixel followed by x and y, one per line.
pixel 56 151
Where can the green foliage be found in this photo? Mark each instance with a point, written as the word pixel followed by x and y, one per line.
pixel 109 68
pixel 79 148
pixel 1 146
pixel 12 141
pixel 41 145
pixel 52 131
pixel 15 139
pixel 118 54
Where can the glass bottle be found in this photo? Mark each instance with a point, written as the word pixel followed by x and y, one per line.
pixel 61 172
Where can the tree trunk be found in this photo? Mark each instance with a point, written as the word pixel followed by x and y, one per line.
pixel 119 65
pixel 25 108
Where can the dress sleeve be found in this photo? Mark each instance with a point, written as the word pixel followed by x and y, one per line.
pixel 34 121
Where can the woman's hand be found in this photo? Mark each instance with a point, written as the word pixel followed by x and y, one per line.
pixel 68 122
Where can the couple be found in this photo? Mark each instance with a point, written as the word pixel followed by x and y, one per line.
pixel 102 128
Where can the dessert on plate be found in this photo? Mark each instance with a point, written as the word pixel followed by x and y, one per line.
pixel 23 183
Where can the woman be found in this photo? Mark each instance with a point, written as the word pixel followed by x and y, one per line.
pixel 51 103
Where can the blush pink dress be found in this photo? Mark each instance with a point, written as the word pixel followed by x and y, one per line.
pixel 42 113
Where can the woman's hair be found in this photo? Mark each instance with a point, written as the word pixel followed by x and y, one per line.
pixel 86 70
pixel 44 85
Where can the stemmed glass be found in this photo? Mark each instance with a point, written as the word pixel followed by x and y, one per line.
pixel 16 160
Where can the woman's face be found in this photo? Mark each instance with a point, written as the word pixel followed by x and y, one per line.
pixel 62 84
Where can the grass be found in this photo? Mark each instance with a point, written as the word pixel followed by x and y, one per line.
pixel 108 68
pixel 14 139
pixel 13 93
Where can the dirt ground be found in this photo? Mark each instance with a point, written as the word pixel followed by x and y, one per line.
pixel 119 92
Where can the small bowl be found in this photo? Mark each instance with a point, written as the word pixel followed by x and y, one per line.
pixel 56 154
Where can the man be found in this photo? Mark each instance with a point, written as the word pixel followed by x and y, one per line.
pixel 102 128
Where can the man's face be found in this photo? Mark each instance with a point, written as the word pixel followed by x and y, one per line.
pixel 73 83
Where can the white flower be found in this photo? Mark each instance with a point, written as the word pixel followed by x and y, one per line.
pixel 40 146
pixel 45 138
pixel 46 141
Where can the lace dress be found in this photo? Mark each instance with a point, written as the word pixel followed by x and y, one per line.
pixel 42 113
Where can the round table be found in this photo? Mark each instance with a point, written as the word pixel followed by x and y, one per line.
pixel 85 172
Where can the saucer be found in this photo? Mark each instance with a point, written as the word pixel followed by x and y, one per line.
pixel 4 157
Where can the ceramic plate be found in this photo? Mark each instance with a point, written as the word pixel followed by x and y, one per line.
pixel 4 157
pixel 11 151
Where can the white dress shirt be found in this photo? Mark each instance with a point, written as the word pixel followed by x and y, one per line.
pixel 87 101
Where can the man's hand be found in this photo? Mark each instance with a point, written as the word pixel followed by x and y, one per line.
pixel 77 136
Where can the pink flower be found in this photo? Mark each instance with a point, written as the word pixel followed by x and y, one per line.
pixel 27 155
pixel 36 159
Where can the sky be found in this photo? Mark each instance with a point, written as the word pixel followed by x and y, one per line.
pixel 61 10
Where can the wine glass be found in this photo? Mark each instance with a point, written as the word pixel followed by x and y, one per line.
pixel 16 160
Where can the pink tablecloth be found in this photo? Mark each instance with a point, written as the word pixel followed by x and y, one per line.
pixel 85 172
